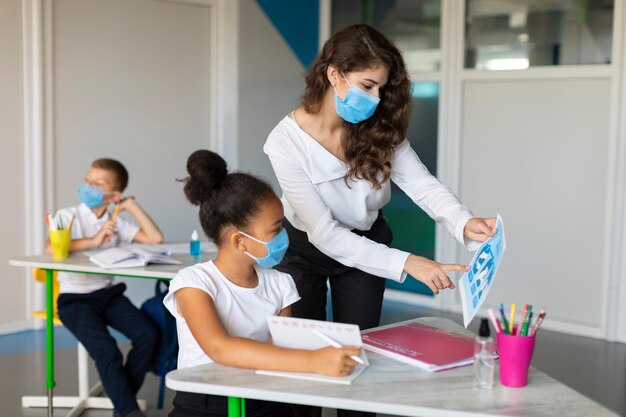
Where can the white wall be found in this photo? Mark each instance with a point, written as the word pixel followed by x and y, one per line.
pixel 537 152
pixel 270 84
pixel 132 82
pixel 14 281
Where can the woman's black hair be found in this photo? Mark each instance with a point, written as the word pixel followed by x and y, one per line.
pixel 224 198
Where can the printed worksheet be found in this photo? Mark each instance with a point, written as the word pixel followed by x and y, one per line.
pixel 296 333
pixel 476 283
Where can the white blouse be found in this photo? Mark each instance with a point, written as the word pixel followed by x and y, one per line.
pixel 318 201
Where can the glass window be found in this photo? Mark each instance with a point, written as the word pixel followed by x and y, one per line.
pixel 413 230
pixel 413 25
pixel 516 34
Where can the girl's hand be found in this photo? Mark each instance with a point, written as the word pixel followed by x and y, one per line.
pixel 334 361
pixel 480 229
pixel 432 273
pixel 105 234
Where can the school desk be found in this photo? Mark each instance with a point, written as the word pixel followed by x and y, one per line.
pixel 392 387
pixel 80 263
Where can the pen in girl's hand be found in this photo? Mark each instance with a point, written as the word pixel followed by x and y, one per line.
pixel 336 344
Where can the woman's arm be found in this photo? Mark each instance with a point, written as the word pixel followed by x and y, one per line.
pixel 198 309
pixel 438 200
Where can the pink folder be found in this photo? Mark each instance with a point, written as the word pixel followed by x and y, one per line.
pixel 420 345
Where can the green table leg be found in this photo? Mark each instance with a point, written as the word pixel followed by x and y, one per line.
pixel 236 407
pixel 49 338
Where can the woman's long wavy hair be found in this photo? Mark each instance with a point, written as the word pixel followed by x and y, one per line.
pixel 368 146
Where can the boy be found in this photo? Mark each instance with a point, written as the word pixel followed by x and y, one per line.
pixel 87 303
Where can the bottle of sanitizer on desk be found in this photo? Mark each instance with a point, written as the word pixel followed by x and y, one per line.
pixel 483 357
pixel 194 245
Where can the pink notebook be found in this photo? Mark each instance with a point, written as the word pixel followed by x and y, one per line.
pixel 420 345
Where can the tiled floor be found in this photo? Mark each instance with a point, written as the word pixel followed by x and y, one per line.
pixel 594 368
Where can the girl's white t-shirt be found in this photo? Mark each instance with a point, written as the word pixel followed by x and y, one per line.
pixel 243 311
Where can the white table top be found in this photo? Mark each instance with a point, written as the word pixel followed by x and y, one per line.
pixel 79 262
pixel 392 387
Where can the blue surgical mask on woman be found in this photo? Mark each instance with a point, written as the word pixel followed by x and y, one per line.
pixel 90 196
pixel 357 105
pixel 276 249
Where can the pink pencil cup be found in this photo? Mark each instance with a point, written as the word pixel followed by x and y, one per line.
pixel 515 354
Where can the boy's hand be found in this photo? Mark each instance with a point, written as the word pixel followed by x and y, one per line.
pixel 335 361
pixel 127 203
pixel 105 234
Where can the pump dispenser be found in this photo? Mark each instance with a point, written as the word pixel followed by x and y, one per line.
pixel 194 245
pixel 483 357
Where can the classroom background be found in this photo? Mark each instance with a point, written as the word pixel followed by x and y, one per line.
pixel 519 106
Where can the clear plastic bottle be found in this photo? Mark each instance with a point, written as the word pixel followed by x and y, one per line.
pixel 194 245
pixel 483 357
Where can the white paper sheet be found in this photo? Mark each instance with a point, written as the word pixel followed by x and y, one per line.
pixel 476 283
pixel 296 333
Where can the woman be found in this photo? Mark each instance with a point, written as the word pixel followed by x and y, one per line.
pixel 334 157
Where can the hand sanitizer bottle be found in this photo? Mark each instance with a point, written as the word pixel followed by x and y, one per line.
pixel 483 357
pixel 194 245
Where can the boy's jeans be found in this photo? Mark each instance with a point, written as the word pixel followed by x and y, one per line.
pixel 87 317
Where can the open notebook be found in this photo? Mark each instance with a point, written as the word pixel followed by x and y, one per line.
pixel 130 257
pixel 295 333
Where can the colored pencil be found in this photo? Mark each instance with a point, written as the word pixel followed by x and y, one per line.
pixel 117 210
pixel 512 322
pixel 505 324
pixel 526 329
pixel 522 320
pixel 542 316
pixel 494 320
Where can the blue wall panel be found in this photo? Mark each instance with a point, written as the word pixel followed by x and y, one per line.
pixel 298 24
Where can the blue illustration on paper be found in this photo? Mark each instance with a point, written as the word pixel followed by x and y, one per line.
pixel 476 283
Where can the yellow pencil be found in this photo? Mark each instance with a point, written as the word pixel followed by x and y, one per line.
pixel 117 209
pixel 512 318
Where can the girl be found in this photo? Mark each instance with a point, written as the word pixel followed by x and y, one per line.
pixel 221 305
pixel 334 157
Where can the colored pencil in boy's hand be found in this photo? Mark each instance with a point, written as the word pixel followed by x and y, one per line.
pixel 117 210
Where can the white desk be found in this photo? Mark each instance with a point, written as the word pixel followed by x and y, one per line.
pixel 391 387
pixel 80 263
